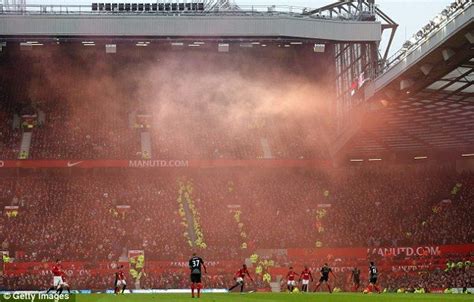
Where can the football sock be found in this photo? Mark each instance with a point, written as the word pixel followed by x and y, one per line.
pixel 199 289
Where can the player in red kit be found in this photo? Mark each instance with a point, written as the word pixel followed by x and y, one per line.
pixel 120 282
pixel 57 276
pixel 290 277
pixel 305 277
pixel 239 278
pixel 64 285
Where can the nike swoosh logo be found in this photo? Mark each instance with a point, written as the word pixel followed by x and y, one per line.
pixel 72 164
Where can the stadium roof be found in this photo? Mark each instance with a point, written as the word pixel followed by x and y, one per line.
pixel 423 105
pixel 342 21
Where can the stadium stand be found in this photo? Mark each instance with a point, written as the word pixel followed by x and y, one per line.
pixel 96 118
pixel 77 215
pixel 330 99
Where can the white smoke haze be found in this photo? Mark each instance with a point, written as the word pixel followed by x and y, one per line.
pixel 190 92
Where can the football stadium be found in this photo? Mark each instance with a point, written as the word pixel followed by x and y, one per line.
pixel 177 149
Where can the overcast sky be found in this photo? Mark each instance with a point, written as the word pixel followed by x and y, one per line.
pixel 411 15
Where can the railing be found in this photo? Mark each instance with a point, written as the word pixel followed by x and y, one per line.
pixel 54 9
pixel 428 31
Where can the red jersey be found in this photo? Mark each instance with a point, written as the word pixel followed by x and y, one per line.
pixel 120 275
pixel 306 274
pixel 56 270
pixel 241 273
pixel 291 276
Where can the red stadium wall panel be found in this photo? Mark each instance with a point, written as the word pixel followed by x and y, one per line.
pixel 433 250
pixel 107 268
pixel 170 163
pixel 411 263
pixel 385 252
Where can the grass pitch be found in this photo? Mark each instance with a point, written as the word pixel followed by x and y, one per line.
pixel 276 297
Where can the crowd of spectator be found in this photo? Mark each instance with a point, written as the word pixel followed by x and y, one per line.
pixel 429 280
pixel 398 208
pixel 84 134
pixel 278 209
pixel 88 107
pixel 76 217
pixel 77 132
pixel 9 138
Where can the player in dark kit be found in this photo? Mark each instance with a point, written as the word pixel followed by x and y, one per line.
pixel 239 278
pixel 306 276
pixel 355 275
pixel 196 264
pixel 373 275
pixel 325 270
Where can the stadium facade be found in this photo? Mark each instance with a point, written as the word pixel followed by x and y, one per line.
pixel 347 34
pixel 144 185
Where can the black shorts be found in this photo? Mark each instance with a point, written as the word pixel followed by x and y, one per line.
pixel 196 278
pixel 323 279
pixel 356 281
pixel 373 280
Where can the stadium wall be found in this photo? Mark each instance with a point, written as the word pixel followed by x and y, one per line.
pixel 179 26
pixel 157 164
